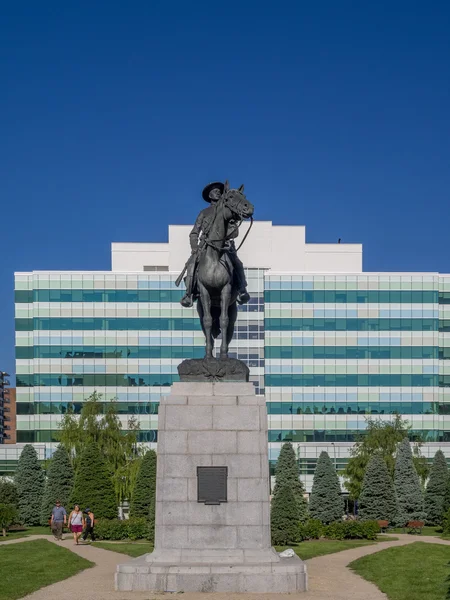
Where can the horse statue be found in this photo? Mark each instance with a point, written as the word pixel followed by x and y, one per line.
pixel 217 289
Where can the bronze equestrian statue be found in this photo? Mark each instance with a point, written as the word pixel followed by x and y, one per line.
pixel 214 274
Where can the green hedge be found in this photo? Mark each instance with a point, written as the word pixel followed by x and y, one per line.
pixel 129 529
pixel 446 523
pixel 312 530
pixel 352 530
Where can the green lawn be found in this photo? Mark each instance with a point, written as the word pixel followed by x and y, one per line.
pixel 131 548
pixel 415 572
pixel 14 535
pixel 29 566
pixel 313 548
pixel 435 531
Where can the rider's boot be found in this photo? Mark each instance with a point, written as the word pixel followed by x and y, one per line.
pixel 187 301
pixel 243 296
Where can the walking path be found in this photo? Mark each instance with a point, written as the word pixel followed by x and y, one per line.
pixel 329 577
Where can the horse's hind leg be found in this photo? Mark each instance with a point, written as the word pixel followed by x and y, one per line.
pixel 225 297
pixel 204 311
pixel 232 316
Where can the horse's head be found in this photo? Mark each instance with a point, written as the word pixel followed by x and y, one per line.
pixel 237 203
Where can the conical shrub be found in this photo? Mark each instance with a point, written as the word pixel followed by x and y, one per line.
pixel 30 482
pixel 59 483
pixel 377 499
pixel 326 503
pixel 408 492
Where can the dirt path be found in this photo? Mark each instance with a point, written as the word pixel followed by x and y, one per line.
pixel 329 577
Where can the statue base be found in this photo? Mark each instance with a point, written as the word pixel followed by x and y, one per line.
pixel 213 369
pixel 212 510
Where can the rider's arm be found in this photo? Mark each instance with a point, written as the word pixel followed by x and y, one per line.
pixel 195 233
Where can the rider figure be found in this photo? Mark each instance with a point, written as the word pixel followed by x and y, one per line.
pixel 212 194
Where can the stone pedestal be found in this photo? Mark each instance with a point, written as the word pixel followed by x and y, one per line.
pixel 212 548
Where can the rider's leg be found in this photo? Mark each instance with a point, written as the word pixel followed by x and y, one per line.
pixel 206 319
pixel 187 300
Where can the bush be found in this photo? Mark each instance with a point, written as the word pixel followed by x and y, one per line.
pixel 352 530
pixel 8 514
pixel 138 528
pixel 8 493
pixel 116 530
pixel 311 530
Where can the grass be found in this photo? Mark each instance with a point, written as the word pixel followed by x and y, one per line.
pixel 313 548
pixel 29 566
pixel 131 548
pixel 26 532
pixel 427 530
pixel 413 572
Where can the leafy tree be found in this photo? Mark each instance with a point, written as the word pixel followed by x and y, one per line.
pixel 377 499
pixel 145 487
pixel 435 493
pixel 284 521
pixel 30 482
pixel 103 427
pixel 59 483
pixel 287 475
pixel 8 492
pixel 407 486
pixel 8 514
pixel 93 486
pixel 380 437
pixel 326 502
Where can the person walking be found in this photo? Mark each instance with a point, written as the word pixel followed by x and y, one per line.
pixel 76 523
pixel 89 528
pixel 58 520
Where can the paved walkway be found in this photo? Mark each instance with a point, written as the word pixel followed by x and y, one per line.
pixel 329 579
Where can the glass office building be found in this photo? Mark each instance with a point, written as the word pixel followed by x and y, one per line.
pixel 327 344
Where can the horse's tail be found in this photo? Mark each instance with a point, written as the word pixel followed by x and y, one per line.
pixel 215 328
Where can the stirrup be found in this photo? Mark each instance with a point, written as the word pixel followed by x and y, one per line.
pixel 243 297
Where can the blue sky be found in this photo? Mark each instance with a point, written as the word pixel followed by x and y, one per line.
pixel 114 115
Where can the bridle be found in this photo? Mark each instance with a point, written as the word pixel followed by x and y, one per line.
pixel 241 216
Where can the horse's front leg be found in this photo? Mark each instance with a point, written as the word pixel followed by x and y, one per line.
pixel 207 319
pixel 225 297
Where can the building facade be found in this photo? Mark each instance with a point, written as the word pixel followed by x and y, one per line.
pixel 10 418
pixel 327 344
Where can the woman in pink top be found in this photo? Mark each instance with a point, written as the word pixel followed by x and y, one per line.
pixel 76 523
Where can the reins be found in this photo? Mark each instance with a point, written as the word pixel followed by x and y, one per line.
pixel 209 241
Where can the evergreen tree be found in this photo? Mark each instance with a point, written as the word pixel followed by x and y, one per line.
pixel 447 496
pixel 326 502
pixel 377 499
pixel 408 491
pixel 8 493
pixel 284 521
pixel 287 475
pixel 145 487
pixel 30 482
pixel 435 493
pixel 59 483
pixel 93 486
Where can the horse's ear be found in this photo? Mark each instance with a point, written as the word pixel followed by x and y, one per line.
pixel 226 187
pixel 241 189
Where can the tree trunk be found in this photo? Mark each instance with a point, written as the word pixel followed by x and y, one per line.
pixel 4 531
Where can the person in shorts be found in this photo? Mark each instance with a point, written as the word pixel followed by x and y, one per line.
pixel 76 523
pixel 89 529
pixel 58 520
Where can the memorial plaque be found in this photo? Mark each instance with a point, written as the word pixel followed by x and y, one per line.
pixel 212 484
